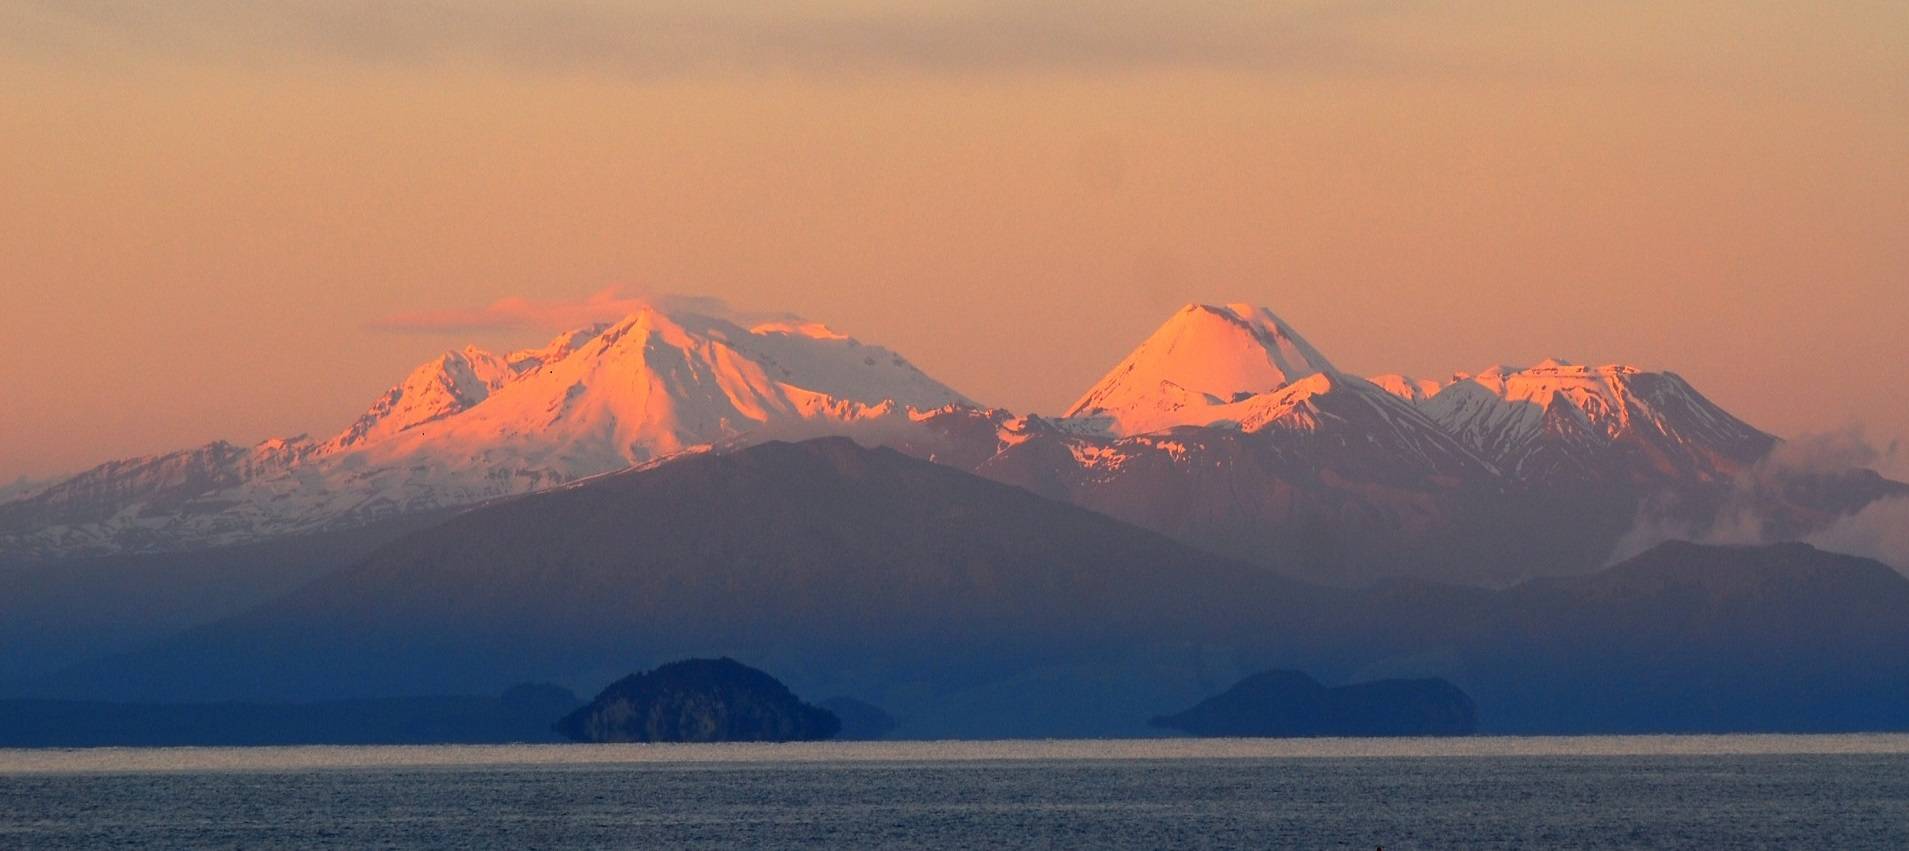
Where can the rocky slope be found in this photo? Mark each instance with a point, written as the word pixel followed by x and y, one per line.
pixel 1559 422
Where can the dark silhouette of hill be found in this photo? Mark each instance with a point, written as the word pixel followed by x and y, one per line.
pixel 1689 638
pixel 860 719
pixel 699 700
pixel 972 608
pixel 60 612
pixel 1286 704
pixel 819 559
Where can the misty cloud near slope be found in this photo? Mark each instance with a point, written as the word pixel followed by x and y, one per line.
pixel 1749 511
pixel 1879 531
pixel 25 485
pixel 1848 448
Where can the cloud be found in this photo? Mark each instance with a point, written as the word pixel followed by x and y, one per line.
pixel 1735 524
pixel 1754 508
pixel 1879 531
pixel 1847 448
pixel 651 39
pixel 1895 463
pixel 605 305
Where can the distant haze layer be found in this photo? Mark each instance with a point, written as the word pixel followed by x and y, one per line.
pixel 234 220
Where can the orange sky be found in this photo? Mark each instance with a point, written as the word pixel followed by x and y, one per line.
pixel 210 205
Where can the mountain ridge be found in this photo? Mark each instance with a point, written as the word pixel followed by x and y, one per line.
pixel 978 609
pixel 470 425
pixel 1224 428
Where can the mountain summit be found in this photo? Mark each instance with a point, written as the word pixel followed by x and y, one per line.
pixel 658 383
pixel 1203 358
pixel 472 425
pixel 1564 421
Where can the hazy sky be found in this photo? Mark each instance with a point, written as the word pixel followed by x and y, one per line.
pixel 213 208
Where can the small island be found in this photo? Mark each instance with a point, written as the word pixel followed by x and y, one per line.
pixel 861 720
pixel 699 700
pixel 1279 704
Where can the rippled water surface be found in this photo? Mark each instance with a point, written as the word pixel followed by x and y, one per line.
pixel 1629 792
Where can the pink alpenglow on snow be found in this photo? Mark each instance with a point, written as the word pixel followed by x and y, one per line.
pixel 1202 360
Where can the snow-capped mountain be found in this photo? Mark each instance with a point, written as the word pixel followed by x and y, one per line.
pixel 1197 369
pixel 1566 422
pixel 1225 429
pixel 471 425
pixel 440 388
pixel 1241 369
pixel 138 498
pixel 648 386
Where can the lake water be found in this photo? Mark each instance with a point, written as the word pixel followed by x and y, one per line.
pixel 1710 792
